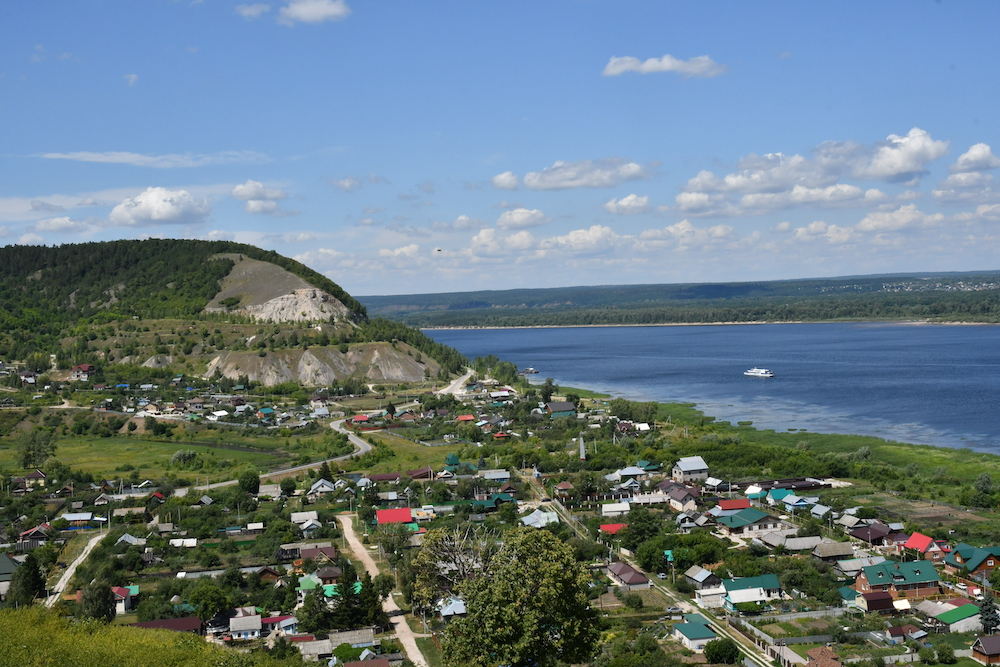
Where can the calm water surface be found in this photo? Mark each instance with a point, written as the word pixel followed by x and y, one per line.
pixel 924 384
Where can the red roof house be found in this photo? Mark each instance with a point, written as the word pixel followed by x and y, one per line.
pixel 400 515
pixel 613 528
pixel 735 504
pixel 925 545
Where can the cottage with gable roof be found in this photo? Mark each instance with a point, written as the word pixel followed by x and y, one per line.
pixel 690 469
pixel 911 580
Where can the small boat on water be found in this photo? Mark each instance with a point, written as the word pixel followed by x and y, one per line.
pixel 759 373
pixel 528 371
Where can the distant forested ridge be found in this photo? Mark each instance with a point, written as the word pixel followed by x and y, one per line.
pixel 966 297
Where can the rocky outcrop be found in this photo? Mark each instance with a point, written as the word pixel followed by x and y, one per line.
pixel 309 305
pixel 319 366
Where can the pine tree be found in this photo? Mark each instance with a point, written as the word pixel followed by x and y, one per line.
pixel 988 614
pixel 26 583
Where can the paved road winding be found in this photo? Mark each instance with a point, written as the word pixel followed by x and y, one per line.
pixel 403 632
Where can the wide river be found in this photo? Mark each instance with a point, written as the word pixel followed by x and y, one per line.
pixel 924 384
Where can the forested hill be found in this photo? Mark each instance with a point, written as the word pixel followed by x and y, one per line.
pixel 966 297
pixel 156 278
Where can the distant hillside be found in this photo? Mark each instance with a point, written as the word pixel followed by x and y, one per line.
pixel 201 307
pixel 968 297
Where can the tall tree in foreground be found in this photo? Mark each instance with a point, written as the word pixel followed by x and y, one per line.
pixel 988 614
pixel 26 583
pixel 529 607
pixel 98 602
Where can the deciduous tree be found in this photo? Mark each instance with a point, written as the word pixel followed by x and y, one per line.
pixel 722 651
pixel 528 606
pixel 98 601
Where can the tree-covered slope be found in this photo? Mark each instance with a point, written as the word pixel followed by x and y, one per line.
pixel 155 278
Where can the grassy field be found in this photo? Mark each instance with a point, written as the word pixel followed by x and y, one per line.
pixel 409 455
pixel 101 456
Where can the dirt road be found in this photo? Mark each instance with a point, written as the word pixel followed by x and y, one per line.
pixel 403 632
pixel 67 576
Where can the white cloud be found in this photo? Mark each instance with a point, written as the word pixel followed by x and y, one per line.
pixel 686 235
pixel 250 12
pixel 772 172
pixel 30 239
pixel 60 224
pixel 703 204
pixel 902 159
pixel 88 201
pixel 978 157
pixel 411 250
pixel 461 223
pixel 159 205
pixel 489 243
pixel 821 230
pixel 700 66
pixel 628 205
pixel 505 181
pixel 902 218
pixel 256 190
pixel 799 195
pixel 160 161
pixel 44 206
pixel 597 238
pixel 584 174
pixel 313 11
pixel 220 235
pixel 521 218
pixel 348 184
pixel 131 79
pixel 990 211
pixel 261 207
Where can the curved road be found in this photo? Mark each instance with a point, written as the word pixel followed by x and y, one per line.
pixel 403 632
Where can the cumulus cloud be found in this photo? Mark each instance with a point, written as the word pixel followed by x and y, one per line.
pixel 903 159
pixel 703 204
pixel 411 250
pixel 700 66
pixel 584 174
pixel 254 11
pixel 461 223
pixel 772 172
pixel 978 158
pixel 628 205
pixel 220 235
pixel 256 190
pixel 313 11
pixel 159 205
pixel 597 238
pixel 261 207
pixel 505 181
pixel 799 195
pixel 160 161
pixel 88 201
pixel 60 224
pixel 821 230
pixel 687 235
pixel 902 218
pixel 131 79
pixel 44 206
pixel 490 244
pixel 521 218
pixel 348 184
pixel 30 239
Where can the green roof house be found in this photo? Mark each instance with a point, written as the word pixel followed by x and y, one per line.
pixel 749 521
pixel 916 579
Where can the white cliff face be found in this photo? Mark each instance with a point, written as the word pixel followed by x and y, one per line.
pixel 320 366
pixel 302 305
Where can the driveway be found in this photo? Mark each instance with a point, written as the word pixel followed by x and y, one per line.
pixel 67 576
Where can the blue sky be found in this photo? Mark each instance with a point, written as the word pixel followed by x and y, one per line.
pixel 446 146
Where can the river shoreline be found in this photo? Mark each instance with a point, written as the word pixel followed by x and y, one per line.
pixel 707 324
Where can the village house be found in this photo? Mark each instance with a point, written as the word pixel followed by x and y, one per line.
pixel 701 578
pixel 978 561
pixel 627 577
pixel 694 633
pixel 911 580
pixel 82 372
pixel 690 469
pixel 748 522
pixel 986 650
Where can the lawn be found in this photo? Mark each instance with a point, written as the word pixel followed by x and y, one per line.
pixel 432 654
